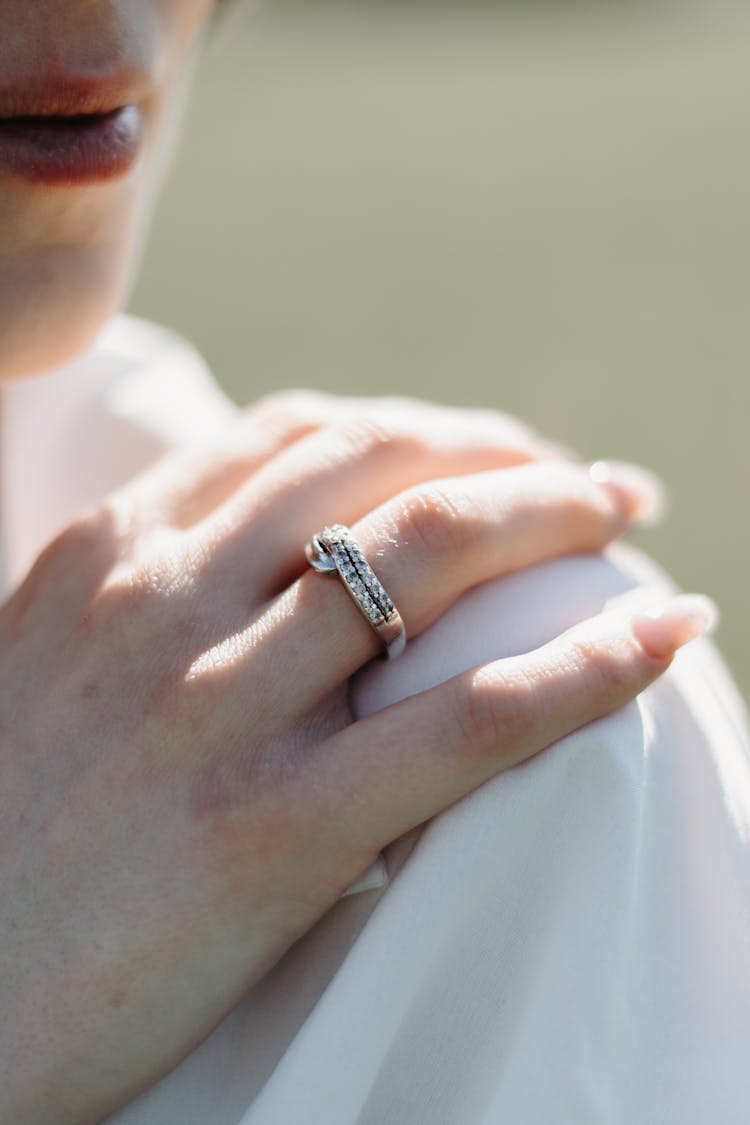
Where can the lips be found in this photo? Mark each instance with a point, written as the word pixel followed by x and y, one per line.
pixel 70 131
pixel 71 150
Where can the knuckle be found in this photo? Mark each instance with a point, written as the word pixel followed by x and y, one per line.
pixel 141 585
pixel 125 596
pixel 68 573
pixel 492 711
pixel 567 501
pixel 433 520
pixel 273 421
pixel 90 539
pixel 580 523
pixel 372 437
pixel 605 674
pixel 599 501
pixel 591 513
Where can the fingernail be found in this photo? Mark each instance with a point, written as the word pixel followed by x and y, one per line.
pixel 637 492
pixel 665 628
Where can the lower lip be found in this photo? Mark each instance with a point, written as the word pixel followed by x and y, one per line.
pixel 71 150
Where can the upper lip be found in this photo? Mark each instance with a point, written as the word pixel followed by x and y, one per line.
pixel 70 95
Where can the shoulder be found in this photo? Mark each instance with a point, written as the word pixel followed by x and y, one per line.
pixel 72 435
pixel 153 379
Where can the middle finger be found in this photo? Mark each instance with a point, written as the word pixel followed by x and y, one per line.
pixel 432 543
pixel 347 469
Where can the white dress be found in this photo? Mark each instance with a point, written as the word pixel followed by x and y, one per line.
pixel 568 945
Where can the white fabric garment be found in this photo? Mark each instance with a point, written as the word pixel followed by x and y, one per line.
pixel 568 945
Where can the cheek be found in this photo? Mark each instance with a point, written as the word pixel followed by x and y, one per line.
pixel 184 22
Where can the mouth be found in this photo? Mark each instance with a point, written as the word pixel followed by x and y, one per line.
pixel 70 133
pixel 71 150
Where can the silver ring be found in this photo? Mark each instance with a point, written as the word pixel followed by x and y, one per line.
pixel 335 551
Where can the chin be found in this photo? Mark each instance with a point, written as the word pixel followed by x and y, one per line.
pixel 39 354
pixel 52 316
pixel 51 339
pixel 67 255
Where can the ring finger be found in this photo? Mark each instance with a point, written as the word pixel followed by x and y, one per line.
pixel 349 468
pixel 432 543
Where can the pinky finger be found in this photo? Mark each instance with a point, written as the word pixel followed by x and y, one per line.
pixel 397 768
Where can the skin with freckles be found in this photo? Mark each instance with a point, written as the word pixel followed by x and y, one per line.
pixel 183 791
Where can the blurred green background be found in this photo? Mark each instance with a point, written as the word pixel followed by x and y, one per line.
pixel 542 208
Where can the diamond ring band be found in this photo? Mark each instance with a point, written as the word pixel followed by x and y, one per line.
pixel 334 551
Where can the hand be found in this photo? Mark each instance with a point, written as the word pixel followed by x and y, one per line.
pixel 184 792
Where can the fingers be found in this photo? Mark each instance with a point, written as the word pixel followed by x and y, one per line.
pixel 188 485
pixel 431 544
pixel 184 486
pixel 339 472
pixel 385 774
